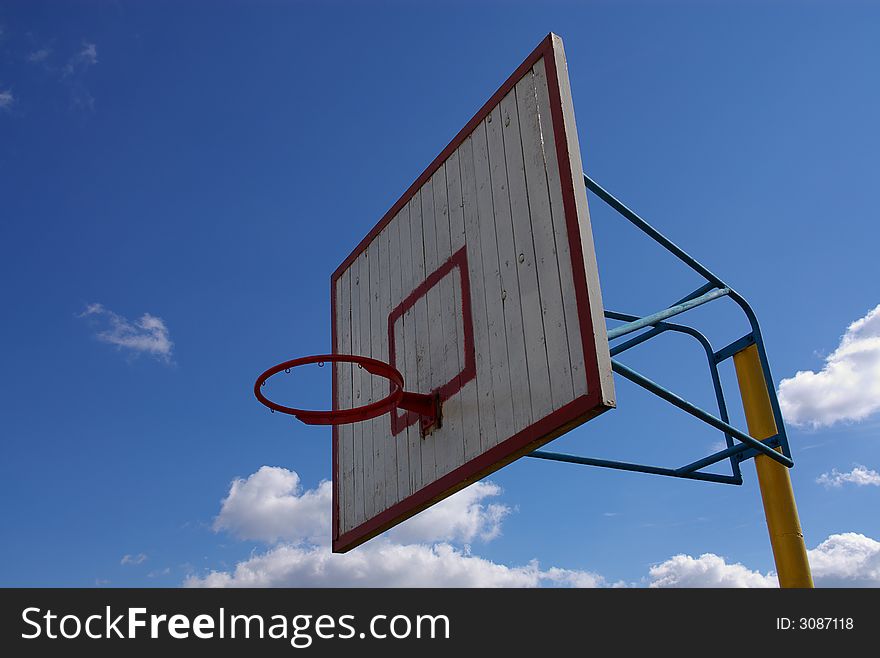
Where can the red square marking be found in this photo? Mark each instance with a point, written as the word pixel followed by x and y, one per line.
pixel 458 261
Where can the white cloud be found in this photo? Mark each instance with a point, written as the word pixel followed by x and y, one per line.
pixel 461 517
pixel 848 386
pixel 6 99
pixel 140 558
pixel 382 563
pixel 708 570
pixel 271 506
pixel 89 54
pixel 860 476
pixel 843 560
pixel 148 334
pixel 74 74
pixel 849 559
pixel 84 58
pixel 40 55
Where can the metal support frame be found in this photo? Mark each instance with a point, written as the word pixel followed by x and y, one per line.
pixel 740 445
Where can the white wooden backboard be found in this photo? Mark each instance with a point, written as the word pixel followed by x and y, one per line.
pixel 481 284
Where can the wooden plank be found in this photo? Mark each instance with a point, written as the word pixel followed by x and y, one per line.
pixel 524 262
pixel 407 339
pixel 359 509
pixel 483 383
pixel 429 358
pixel 467 396
pixel 449 442
pixel 345 433
pixel 376 425
pixel 560 232
pixel 424 451
pixel 491 276
pixel 383 428
pixel 366 349
pixel 507 261
pixel 547 263
pixel 396 256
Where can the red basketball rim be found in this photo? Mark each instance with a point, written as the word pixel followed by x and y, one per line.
pixel 337 416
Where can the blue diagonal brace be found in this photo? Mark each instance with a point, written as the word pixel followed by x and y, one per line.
pixel 638 468
pixel 695 411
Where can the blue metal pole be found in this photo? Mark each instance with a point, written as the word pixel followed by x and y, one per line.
pixel 654 318
pixel 656 235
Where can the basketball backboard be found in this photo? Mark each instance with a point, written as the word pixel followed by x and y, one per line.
pixel 479 285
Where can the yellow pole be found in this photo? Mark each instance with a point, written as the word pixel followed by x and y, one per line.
pixel 786 536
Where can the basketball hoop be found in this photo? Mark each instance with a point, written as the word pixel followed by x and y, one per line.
pixel 426 405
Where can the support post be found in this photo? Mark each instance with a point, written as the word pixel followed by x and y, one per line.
pixel 786 536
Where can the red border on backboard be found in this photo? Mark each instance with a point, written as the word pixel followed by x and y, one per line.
pixel 458 261
pixel 545 429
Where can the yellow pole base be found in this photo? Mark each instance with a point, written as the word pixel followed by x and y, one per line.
pixel 786 536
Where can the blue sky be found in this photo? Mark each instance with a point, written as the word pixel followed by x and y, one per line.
pixel 197 170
